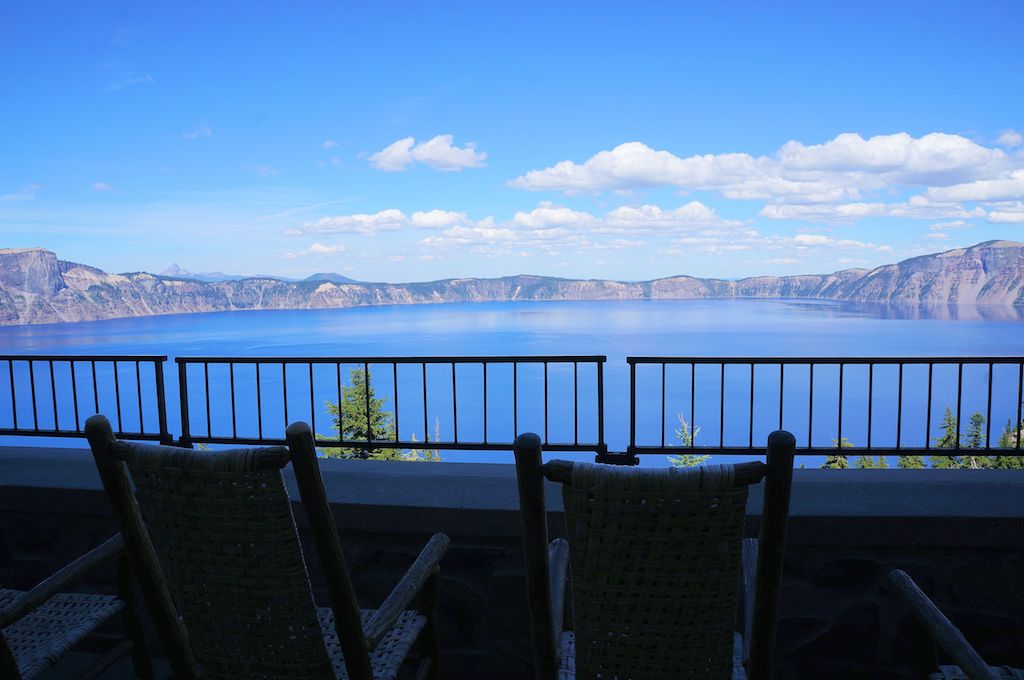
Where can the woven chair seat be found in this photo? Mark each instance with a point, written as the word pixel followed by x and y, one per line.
pixel 567 655
pixel 387 657
pixel 955 673
pixel 39 639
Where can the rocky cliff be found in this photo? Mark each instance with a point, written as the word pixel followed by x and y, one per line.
pixel 36 287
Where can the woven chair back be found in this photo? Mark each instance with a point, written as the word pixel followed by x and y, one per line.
pixel 222 527
pixel 655 559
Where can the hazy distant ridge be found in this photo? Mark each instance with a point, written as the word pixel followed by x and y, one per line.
pixel 36 287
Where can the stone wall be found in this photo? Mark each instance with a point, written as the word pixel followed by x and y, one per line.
pixel 960 534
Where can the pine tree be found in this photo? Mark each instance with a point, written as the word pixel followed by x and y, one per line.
pixel 912 462
pixel 361 416
pixel 837 461
pixel 948 440
pixel 426 455
pixel 1009 440
pixel 975 440
pixel 686 437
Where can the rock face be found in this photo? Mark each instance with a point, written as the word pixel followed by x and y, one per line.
pixel 36 287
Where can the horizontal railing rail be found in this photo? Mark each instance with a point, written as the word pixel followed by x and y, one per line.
pixel 738 399
pixel 402 396
pixel 51 395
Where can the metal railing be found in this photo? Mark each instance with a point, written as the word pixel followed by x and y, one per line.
pixel 737 398
pixel 282 389
pixel 52 395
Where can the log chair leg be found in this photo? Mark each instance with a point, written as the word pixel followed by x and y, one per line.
pixel 141 661
pixel 429 640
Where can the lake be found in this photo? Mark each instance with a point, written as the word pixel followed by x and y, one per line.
pixel 617 329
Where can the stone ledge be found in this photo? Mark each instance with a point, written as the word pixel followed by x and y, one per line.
pixel 959 508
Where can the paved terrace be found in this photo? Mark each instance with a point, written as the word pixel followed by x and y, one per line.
pixel 959 533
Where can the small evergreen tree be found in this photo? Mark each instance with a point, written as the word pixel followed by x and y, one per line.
pixel 912 462
pixel 426 455
pixel 838 461
pixel 686 436
pixel 361 416
pixel 1009 440
pixel 948 440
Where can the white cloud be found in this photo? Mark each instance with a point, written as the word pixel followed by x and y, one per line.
pixel 916 207
pixel 1008 213
pixel 197 132
pixel 937 236
pixel 360 223
pixel 548 215
pixel 947 226
pixel 438 152
pixel 1007 187
pixel 102 186
pixel 841 170
pixel 321 249
pixel 317 248
pixel 25 194
pixel 1010 139
pixel 329 144
pixel 437 219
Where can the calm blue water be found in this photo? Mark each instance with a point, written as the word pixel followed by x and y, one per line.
pixel 615 329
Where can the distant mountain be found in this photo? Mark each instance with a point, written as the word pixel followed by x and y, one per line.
pixel 331 277
pixel 177 272
pixel 36 287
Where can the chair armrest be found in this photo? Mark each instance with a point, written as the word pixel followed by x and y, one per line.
pixel 939 627
pixel 558 559
pixel 61 580
pixel 406 589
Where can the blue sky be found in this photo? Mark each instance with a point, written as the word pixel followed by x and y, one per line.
pixel 402 141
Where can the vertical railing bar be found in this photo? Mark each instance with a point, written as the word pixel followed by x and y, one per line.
pixel 750 444
pixel 186 434
pixel 782 381
pixel 871 395
pixel 74 395
pixel 515 399
pixel 632 406
pixel 425 425
pixel 455 407
pixel 485 401
pixel 839 435
pixel 988 412
pixel 663 405
pixel 341 424
pixel 545 402
pixel 14 399
pixel 312 401
pixel 32 387
pixel 1020 401
pixel 117 397
pixel 810 405
pixel 721 404
pixel 394 380
pixel 959 400
pixel 600 405
pixel 53 396
pixel 95 388
pixel 575 404
pixel 928 412
pixel 284 392
pixel 366 386
pixel 234 418
pixel 161 401
pixel 206 391
pixel 259 403
pixel 899 408
pixel 138 385
pixel 693 402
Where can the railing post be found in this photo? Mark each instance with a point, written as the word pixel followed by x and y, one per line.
pixel 161 401
pixel 186 435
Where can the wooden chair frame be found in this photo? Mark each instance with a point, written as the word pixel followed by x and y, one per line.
pixel 547 563
pixel 417 588
pixel 58 584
